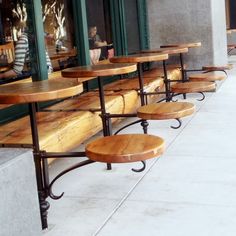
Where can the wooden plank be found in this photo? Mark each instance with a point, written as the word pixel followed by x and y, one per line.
pixel 58 131
pixel 62 131
pixel 133 84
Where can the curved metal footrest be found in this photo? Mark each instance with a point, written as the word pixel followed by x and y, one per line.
pixel 126 126
pixel 203 97
pixel 178 126
pixel 78 165
pixel 141 169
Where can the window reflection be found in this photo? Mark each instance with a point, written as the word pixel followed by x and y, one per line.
pixel 56 17
pixel 58 23
pixel 99 30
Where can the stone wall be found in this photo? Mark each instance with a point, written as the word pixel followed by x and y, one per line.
pixel 183 21
pixel 19 214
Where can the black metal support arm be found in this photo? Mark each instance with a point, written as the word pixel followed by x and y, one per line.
pixel 62 154
pixel 76 166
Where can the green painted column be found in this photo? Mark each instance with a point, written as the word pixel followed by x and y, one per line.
pixel 119 31
pixel 118 27
pixel 81 31
pixel 36 40
pixel 143 24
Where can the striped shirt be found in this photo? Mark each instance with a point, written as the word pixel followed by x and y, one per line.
pixel 22 56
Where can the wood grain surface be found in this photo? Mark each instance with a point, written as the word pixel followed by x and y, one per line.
pixel 187 45
pixel 206 77
pixel 125 148
pixel 166 110
pixel 193 87
pixel 168 50
pixel 99 70
pixel 218 67
pixel 39 91
pixel 140 57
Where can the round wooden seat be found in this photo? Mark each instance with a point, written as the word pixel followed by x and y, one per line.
pixel 133 84
pixel 156 72
pixel 193 87
pixel 140 58
pixel 39 91
pixel 98 70
pixel 217 67
pixel 206 77
pixel 183 45
pixel 167 110
pixel 168 50
pixel 125 148
pixel 231 46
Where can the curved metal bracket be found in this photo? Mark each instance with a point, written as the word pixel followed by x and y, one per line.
pixel 203 97
pixel 78 165
pixel 214 71
pixel 179 124
pixel 175 95
pixel 161 100
pixel 141 169
pixel 126 126
pixel 174 100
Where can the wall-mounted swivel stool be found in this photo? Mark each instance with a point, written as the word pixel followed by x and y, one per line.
pixel 217 67
pixel 212 77
pixel 193 87
pixel 125 148
pixel 166 110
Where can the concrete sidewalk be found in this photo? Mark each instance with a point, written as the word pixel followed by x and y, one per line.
pixel 190 190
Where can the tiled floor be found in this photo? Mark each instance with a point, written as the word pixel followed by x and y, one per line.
pixel 190 190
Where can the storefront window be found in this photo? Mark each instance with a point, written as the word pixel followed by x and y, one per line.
pixel 57 19
pixel 99 30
